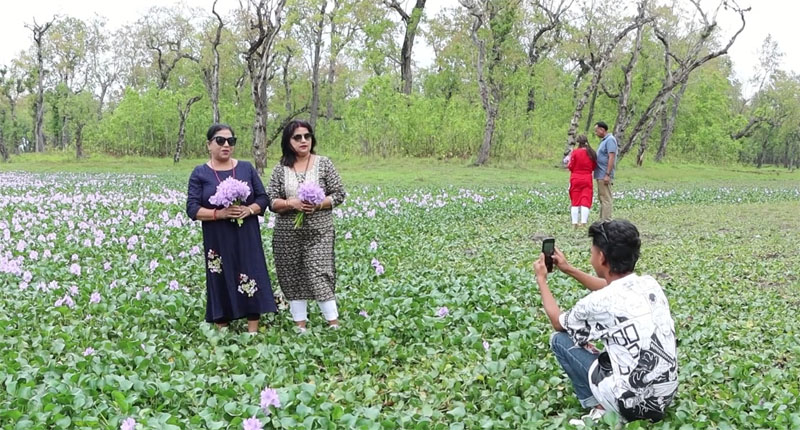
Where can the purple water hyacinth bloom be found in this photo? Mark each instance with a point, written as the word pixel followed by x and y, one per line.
pixel 229 192
pixel 75 269
pixel 128 424
pixel 311 193
pixel 443 312
pixel 73 290
pixel 269 397
pixel 486 345
pixel 106 266
pixel 348 236
pixel 252 424
pixel 379 270
pixel 153 265
pixel 88 351
pixel 173 285
pixel 375 262
pixel 373 246
pixel 364 313
pixel 95 298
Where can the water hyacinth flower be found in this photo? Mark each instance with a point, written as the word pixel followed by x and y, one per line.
pixel 443 312
pixel 364 313
pixel 88 351
pixel 173 285
pixel 373 246
pixel 379 270
pixel 106 266
pixel 231 192
pixel 128 424
pixel 252 424
pixel 269 397
pixel 75 269
pixel 486 345
pixel 348 236
pixel 95 298
pixel 310 193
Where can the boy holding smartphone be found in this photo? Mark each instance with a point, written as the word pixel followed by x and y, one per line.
pixel 636 375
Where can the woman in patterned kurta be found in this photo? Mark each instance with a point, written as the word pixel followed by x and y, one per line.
pixel 237 282
pixel 304 257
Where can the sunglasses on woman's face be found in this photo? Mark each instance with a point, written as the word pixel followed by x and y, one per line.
pixel 221 140
pixel 301 137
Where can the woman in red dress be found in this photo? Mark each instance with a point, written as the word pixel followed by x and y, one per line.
pixel 581 165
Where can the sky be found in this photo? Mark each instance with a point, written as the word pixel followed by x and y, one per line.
pixel 776 17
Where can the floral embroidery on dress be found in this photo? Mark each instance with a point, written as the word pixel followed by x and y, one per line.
pixel 247 285
pixel 214 262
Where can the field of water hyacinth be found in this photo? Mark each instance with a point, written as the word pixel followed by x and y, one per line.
pixel 103 295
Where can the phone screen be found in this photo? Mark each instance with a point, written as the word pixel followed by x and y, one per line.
pixel 548 246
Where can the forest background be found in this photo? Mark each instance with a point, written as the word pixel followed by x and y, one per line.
pixel 509 80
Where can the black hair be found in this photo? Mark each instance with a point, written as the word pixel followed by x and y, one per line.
pixel 583 142
pixel 620 243
pixel 602 125
pixel 212 131
pixel 288 158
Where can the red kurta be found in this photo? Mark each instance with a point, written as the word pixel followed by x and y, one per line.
pixel 580 180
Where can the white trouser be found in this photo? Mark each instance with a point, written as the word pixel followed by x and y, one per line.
pixel 299 310
pixel 581 211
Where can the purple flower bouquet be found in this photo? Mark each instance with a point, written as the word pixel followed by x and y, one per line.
pixel 311 193
pixel 230 192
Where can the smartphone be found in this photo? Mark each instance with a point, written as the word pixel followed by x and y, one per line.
pixel 548 248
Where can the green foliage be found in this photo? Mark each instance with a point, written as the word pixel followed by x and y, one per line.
pixel 729 277
pixel 442 118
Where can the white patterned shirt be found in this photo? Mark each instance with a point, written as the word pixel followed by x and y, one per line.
pixel 637 373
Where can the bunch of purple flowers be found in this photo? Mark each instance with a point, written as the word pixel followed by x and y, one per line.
pixel 310 193
pixel 230 192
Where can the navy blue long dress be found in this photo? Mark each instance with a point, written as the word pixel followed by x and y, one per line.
pixel 237 282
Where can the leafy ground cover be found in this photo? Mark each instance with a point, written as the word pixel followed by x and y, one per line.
pixel 103 302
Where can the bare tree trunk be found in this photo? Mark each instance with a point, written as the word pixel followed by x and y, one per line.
pixel 623 110
pixel 412 23
pixel 646 137
pixel 259 57
pixel 3 150
pixel 686 67
pixel 63 138
pixel 101 99
pixel 38 34
pixel 668 126
pixel 488 135
pixel 538 47
pixel 79 141
pixel 287 83
pixel 599 68
pixel 339 39
pixel 213 76
pixel 320 24
pixel 591 110
pixel 183 113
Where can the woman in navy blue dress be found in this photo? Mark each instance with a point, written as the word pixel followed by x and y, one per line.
pixel 237 282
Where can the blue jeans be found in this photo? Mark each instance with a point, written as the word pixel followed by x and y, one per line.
pixel 575 360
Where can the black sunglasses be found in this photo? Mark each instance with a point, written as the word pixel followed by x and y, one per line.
pixel 300 137
pixel 221 140
pixel 602 229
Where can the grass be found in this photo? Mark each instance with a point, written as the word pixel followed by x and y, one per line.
pixel 411 172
